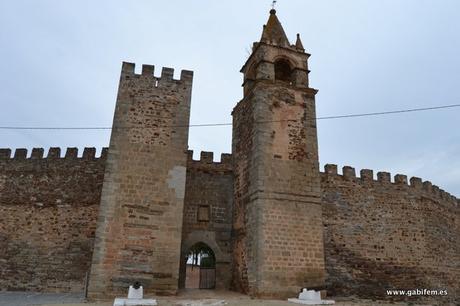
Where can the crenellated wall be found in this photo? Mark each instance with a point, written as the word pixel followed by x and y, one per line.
pixel 49 205
pixel 139 227
pixel 48 209
pixel 208 208
pixel 381 234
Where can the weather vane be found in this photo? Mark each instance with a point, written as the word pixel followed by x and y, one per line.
pixel 273 4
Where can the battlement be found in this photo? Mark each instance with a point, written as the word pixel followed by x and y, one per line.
pixel 53 153
pixel 384 178
pixel 167 74
pixel 206 162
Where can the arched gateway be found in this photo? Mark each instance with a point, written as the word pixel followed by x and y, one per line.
pixel 200 271
pixel 212 273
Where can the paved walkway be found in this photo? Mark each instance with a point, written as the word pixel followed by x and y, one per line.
pixel 34 298
pixel 185 298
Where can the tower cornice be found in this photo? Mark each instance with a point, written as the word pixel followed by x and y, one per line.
pixel 259 44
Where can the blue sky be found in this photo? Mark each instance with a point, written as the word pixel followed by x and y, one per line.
pixel 61 62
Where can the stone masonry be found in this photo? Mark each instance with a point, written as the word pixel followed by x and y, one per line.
pixel 48 208
pixel 274 222
pixel 388 234
pixel 208 212
pixel 278 223
pixel 139 227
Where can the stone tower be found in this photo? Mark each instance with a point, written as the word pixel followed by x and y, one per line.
pixel 278 230
pixel 138 236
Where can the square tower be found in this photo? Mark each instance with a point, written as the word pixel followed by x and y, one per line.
pixel 139 229
pixel 278 243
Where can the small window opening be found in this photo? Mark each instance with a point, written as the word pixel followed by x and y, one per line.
pixel 283 71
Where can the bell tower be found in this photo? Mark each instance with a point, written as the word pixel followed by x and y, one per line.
pixel 278 228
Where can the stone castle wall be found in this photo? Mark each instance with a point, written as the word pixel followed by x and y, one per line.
pixel 48 209
pixel 378 234
pixel 208 212
pixel 383 235
pixel 139 228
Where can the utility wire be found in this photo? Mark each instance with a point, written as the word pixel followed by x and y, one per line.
pixel 229 124
pixel 390 112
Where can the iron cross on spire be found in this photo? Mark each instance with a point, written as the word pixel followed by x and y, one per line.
pixel 273 4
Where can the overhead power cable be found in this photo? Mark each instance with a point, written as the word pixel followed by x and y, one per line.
pixel 229 124
pixel 389 112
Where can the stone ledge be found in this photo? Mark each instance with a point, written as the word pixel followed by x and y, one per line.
pixel 311 302
pixel 134 302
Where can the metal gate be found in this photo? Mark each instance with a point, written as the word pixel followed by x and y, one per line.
pixel 207 278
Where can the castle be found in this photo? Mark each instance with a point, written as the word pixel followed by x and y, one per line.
pixel 273 220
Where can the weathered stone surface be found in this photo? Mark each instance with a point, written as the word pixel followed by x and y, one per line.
pixel 139 228
pixel 209 186
pixel 48 209
pixel 275 223
pixel 381 235
pixel 278 247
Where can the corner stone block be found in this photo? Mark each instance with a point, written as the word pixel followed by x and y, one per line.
pixel 349 172
pixel 5 153
pixel 330 169
pixel 427 186
pixel 71 153
pixel 148 70
pixel 444 195
pixel 367 175
pixel 167 73
pixel 401 179
pixel 104 153
pixel 384 177
pixel 20 154
pixel 37 153
pixel 186 75
pixel 189 155
pixel 416 182
pixel 89 153
pixel 226 158
pixel 436 190
pixel 207 157
pixel 128 68
pixel 54 153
